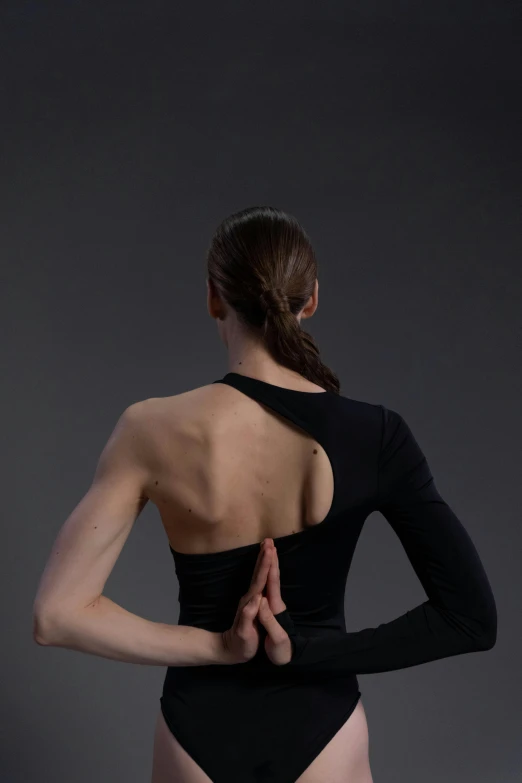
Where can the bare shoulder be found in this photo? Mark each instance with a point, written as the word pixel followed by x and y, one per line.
pixel 154 410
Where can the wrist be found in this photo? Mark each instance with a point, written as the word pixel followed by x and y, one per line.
pixel 217 648
pixel 220 653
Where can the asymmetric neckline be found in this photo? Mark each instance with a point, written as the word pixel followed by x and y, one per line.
pixel 272 385
pixel 246 384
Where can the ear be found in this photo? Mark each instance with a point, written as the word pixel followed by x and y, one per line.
pixel 311 306
pixel 215 304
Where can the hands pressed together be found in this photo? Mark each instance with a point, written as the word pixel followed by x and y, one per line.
pixel 241 641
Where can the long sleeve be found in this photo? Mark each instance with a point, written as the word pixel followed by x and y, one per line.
pixel 460 613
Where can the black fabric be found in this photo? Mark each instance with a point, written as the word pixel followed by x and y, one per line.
pixel 256 721
pixel 460 613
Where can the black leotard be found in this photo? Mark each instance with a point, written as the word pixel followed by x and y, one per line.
pixel 257 722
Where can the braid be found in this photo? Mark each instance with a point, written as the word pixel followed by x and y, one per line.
pixel 289 343
pixel 274 300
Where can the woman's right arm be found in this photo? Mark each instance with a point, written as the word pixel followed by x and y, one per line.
pixel 460 614
pixel 70 609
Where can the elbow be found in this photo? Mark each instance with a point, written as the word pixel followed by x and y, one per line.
pixel 46 628
pixel 487 636
pixel 477 629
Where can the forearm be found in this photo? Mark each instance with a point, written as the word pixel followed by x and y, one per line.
pixel 110 631
pixel 419 636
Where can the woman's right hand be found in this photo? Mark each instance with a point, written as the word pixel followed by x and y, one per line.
pixel 278 646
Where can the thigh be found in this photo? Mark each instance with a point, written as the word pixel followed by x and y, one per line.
pixel 346 757
pixel 170 761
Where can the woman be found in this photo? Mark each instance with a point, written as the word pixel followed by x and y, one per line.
pixel 261 681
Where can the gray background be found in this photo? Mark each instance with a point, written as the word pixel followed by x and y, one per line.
pixel 129 130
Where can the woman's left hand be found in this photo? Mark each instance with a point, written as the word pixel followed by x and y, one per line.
pixel 239 644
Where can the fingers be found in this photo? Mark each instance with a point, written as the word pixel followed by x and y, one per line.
pixel 247 615
pixel 262 567
pixel 276 632
pixel 273 586
pixel 273 579
pixel 263 547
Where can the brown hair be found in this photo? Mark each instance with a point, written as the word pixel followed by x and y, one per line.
pixel 262 263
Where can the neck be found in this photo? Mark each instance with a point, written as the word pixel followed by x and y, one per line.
pixel 248 356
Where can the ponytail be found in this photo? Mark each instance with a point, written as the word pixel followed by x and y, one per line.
pixel 263 264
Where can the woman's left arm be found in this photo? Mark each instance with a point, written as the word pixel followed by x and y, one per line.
pixel 69 609
pixel 460 613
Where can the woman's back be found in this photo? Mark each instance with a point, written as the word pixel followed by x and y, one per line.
pixel 231 471
pixel 239 461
